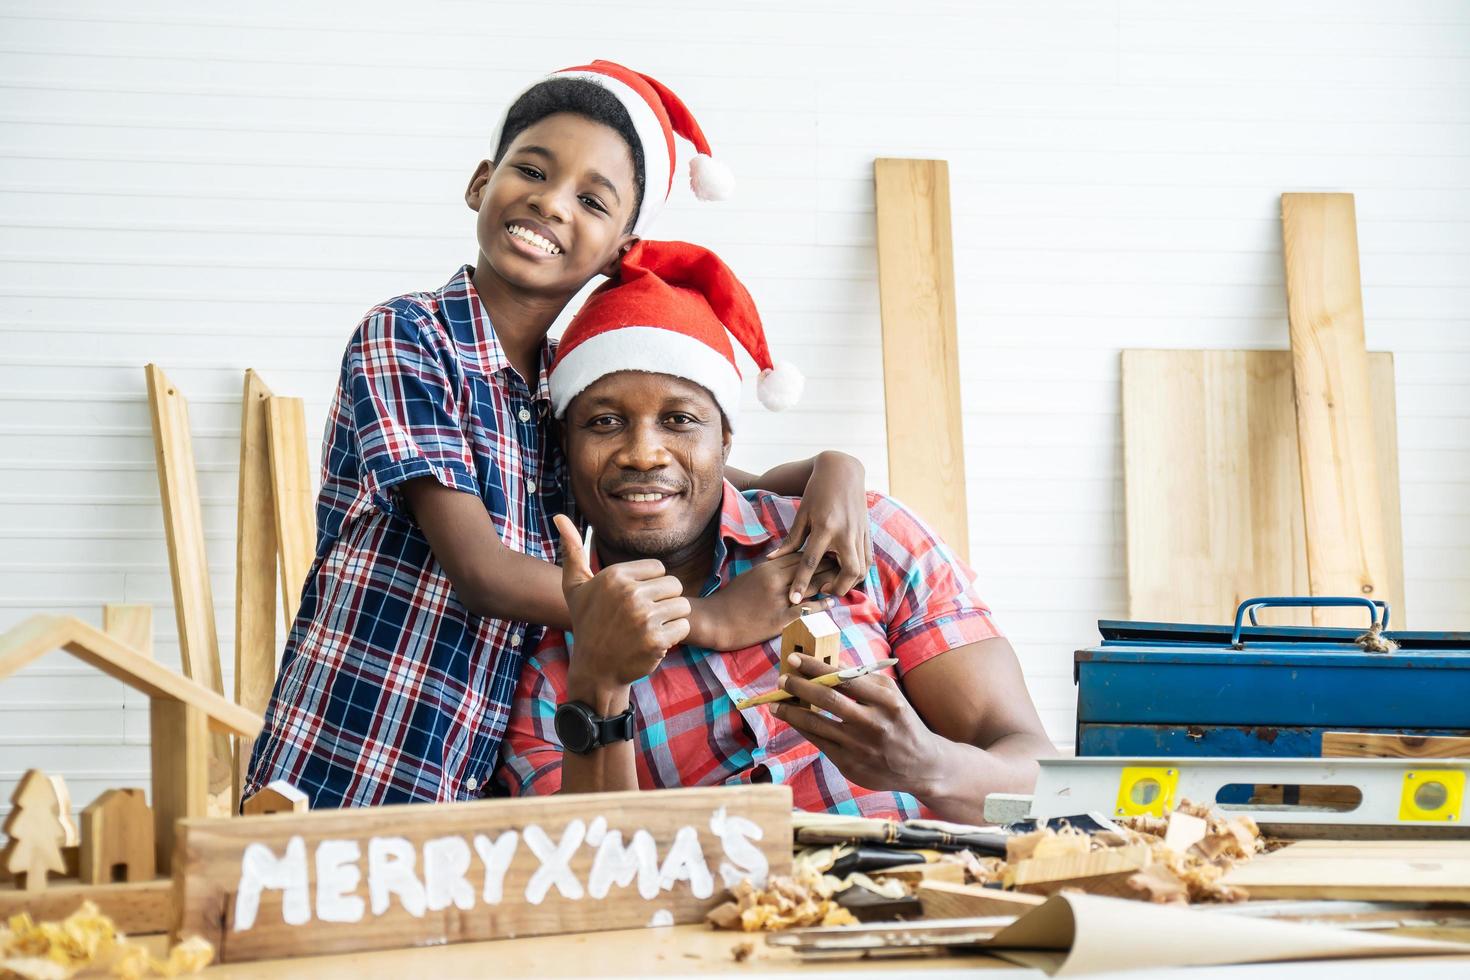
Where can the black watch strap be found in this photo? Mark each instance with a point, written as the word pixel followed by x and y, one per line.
pixel 582 729
pixel 617 728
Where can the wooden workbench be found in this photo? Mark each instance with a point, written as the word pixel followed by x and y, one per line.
pixel 670 951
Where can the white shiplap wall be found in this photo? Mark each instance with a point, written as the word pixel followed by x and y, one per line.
pixel 214 189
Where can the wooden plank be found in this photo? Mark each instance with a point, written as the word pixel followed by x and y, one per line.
pixel 255 566
pixel 291 488
pixel 137 908
pixel 947 871
pixel 943 900
pixel 926 457
pixel 183 521
pixel 39 635
pixel 1101 872
pixel 1342 506
pixel 179 755
pixel 1212 483
pixel 1360 745
pixel 424 875
pixel 1386 442
pixel 1408 871
pixel 132 626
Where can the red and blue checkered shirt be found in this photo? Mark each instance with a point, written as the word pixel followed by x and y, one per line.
pixel 390 690
pixel 917 603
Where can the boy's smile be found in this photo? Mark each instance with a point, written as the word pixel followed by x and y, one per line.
pixel 554 209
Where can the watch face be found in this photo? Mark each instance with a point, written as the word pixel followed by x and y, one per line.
pixel 574 727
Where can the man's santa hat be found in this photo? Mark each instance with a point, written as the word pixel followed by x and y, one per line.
pixel 658 116
pixel 672 310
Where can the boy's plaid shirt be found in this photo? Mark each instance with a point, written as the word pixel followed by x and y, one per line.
pixel 390 690
pixel 917 603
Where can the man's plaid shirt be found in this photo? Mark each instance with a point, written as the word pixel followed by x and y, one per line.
pixel 390 690
pixel 917 603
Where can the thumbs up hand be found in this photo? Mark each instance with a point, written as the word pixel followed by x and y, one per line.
pixel 624 618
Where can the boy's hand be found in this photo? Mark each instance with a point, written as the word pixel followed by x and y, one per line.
pixel 875 736
pixel 832 520
pixel 624 618
pixel 754 606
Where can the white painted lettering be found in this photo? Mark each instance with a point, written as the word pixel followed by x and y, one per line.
pixel 685 862
pixel 390 872
pixel 446 859
pixel 496 858
pixel 337 877
pixel 746 860
pixel 555 861
pixel 617 865
pixel 261 869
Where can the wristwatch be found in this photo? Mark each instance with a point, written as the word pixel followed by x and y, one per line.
pixel 581 729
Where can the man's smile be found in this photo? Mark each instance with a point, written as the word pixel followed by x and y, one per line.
pixel 644 501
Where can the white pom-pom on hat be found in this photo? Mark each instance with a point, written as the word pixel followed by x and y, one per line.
pixel 710 178
pixel 780 387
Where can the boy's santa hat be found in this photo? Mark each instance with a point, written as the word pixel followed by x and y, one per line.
pixel 668 312
pixel 658 116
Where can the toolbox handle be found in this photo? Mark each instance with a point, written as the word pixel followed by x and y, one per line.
pixel 1251 605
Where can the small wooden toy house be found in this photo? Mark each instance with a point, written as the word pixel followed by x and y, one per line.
pixel 814 635
pixel 117 839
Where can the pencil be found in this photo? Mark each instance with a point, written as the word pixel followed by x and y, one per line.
pixel 837 677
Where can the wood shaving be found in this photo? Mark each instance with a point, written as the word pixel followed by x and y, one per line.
pixel 89 941
pixel 787 902
pixel 1170 876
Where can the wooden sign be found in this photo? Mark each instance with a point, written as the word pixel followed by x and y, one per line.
pixel 333 881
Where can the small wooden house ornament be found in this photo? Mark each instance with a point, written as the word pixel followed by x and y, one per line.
pixel 814 635
pixel 277 797
pixel 117 839
pixel 36 831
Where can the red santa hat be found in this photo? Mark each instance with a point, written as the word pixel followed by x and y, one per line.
pixel 672 310
pixel 658 116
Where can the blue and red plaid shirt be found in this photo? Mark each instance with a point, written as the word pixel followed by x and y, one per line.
pixel 390 690
pixel 918 602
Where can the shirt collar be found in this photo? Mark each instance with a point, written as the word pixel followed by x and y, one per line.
pixel 469 322
pixel 739 521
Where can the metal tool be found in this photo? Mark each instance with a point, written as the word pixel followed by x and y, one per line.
pixel 826 680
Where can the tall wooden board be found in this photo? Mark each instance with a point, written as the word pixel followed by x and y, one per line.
pixel 291 488
pixel 183 521
pixel 1347 552
pixel 926 452
pixel 1212 484
pixel 255 565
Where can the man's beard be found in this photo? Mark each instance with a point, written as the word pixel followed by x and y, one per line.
pixel 660 543
pixel 670 545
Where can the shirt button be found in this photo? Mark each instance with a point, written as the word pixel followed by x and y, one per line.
pixel 530 486
pixel 524 415
pixel 472 784
pixel 515 639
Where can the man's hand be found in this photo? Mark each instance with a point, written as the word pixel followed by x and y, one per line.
pixel 753 607
pixel 624 618
pixel 876 739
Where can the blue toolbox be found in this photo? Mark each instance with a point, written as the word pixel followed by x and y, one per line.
pixel 1169 689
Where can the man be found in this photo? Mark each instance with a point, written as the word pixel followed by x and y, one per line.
pixel 646 388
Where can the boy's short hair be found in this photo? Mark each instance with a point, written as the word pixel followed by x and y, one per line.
pixel 582 98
